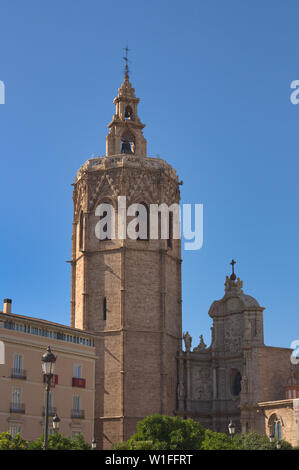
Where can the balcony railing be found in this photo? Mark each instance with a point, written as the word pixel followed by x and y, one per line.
pixel 18 374
pixel 17 408
pixel 52 410
pixel 78 382
pixel 79 414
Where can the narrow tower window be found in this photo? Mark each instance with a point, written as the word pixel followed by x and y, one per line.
pixel 105 309
pixel 170 230
pixel 81 231
pixel 147 222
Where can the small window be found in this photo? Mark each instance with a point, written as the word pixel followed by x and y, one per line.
pixel 105 309
pixel 14 430
pixel 18 363
pixel 76 403
pixel 16 396
pixel 78 371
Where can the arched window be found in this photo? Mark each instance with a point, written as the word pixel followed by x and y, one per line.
pixel 275 427
pixel 105 309
pixel 128 113
pixel 127 143
pixel 81 223
pixel 236 379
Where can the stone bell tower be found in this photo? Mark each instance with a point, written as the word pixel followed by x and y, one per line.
pixel 127 290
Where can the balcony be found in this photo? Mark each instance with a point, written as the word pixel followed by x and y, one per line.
pixel 17 408
pixel 78 414
pixel 78 382
pixel 18 374
pixel 52 411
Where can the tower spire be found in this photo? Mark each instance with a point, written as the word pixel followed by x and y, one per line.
pixel 125 130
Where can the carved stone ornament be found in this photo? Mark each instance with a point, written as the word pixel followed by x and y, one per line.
pixel 202 346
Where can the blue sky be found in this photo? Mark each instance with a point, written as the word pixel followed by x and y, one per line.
pixel 214 81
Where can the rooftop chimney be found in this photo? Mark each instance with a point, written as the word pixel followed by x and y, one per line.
pixel 7 305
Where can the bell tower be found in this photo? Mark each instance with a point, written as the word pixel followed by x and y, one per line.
pixel 125 135
pixel 127 290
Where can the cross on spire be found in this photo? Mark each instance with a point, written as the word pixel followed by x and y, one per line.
pixel 126 49
pixel 233 276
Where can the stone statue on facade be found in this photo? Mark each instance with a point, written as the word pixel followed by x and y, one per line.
pixel 187 340
pixel 181 391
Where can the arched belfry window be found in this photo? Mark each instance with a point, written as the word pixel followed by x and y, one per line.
pixel 127 143
pixel 128 113
pixel 81 224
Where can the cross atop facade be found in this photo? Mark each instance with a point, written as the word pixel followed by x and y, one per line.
pixel 233 276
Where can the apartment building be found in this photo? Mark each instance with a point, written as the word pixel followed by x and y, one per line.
pixel 22 389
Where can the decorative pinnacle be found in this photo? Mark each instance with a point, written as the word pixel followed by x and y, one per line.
pixel 233 277
pixel 126 49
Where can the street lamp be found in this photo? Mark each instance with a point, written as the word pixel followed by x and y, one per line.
pixel 272 438
pixel 48 369
pixel 278 445
pixel 231 429
pixel 56 422
pixel 93 444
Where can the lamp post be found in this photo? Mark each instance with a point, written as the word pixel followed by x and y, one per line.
pixel 48 369
pixel 56 422
pixel 231 429
pixel 278 445
pixel 93 444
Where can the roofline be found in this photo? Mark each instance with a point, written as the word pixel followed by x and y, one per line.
pixel 264 404
pixel 40 321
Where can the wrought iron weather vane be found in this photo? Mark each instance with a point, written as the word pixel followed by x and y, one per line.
pixel 126 49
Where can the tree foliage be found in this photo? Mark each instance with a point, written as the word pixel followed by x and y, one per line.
pixel 7 442
pixel 159 432
pixel 55 442
pixel 255 441
pixel 220 441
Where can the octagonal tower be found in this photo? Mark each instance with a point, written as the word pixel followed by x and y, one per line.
pixel 127 290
